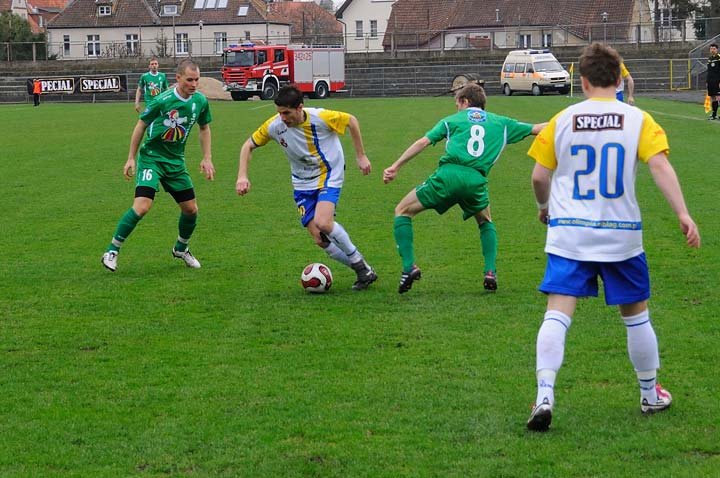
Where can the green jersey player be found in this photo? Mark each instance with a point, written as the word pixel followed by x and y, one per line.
pixel 150 84
pixel 161 160
pixel 475 138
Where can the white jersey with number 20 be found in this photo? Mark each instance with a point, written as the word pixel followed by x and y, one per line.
pixel 593 148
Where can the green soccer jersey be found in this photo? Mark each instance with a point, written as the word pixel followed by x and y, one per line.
pixel 170 118
pixel 152 85
pixel 475 138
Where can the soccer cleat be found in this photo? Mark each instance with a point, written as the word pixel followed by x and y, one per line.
pixel 712 118
pixel 490 281
pixel 540 417
pixel 407 279
pixel 186 256
pixel 664 400
pixel 109 260
pixel 365 275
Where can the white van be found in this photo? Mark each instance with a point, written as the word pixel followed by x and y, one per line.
pixel 535 71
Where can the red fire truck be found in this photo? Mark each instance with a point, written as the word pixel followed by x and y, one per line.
pixel 250 69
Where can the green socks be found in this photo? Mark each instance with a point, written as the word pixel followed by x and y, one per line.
pixel 126 225
pixel 404 238
pixel 186 226
pixel 488 239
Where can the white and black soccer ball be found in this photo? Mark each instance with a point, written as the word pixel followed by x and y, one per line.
pixel 316 278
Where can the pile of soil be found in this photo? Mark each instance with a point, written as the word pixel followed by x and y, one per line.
pixel 212 88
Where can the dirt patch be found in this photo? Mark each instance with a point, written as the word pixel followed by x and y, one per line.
pixel 212 88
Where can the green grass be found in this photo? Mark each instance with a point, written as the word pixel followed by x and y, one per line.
pixel 231 370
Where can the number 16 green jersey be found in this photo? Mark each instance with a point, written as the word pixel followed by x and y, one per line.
pixel 475 138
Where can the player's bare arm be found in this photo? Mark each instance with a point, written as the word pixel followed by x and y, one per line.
pixel 413 150
pixel 206 165
pixel 135 139
pixel 242 186
pixel 541 177
pixel 362 159
pixel 137 100
pixel 537 128
pixel 667 181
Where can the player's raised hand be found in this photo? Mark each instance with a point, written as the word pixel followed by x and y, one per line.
pixel 129 168
pixel 207 168
pixel 242 186
pixel 364 164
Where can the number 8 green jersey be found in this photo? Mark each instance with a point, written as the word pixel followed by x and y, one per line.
pixel 475 138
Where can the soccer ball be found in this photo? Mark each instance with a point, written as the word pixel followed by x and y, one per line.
pixel 316 278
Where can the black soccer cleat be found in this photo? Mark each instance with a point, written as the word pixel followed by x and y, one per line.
pixel 490 281
pixel 541 417
pixel 407 279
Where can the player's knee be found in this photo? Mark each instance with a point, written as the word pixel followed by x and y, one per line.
pixel 190 209
pixel 324 225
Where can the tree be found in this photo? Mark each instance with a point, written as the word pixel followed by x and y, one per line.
pixel 18 38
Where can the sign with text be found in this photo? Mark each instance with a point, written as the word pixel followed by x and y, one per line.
pixel 90 84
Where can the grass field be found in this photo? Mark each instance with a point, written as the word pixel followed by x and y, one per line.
pixel 232 371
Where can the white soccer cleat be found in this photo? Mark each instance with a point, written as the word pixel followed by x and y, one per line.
pixel 664 400
pixel 186 256
pixel 109 260
pixel 540 417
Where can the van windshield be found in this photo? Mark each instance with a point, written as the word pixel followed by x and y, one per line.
pixel 550 66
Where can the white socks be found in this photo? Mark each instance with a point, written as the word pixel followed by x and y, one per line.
pixel 643 350
pixel 550 352
pixel 341 239
pixel 334 251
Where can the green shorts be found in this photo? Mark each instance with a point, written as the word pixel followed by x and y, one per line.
pixel 452 184
pixel 153 171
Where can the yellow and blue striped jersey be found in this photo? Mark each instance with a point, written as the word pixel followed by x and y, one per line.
pixel 313 148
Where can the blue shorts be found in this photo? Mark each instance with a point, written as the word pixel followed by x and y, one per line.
pixel 624 282
pixel 619 96
pixel 307 200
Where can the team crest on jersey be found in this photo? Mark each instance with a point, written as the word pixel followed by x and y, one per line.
pixel 476 116
pixel 175 130
pixel 153 88
pixel 600 122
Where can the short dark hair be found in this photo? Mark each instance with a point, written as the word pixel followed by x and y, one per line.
pixel 713 45
pixel 289 96
pixel 474 94
pixel 187 65
pixel 600 65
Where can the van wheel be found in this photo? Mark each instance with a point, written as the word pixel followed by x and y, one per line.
pixel 506 90
pixel 536 91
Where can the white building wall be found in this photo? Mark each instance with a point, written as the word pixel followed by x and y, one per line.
pixel 365 11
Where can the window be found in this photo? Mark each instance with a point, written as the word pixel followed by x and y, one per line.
pixel 547 40
pixel 261 57
pixel 41 23
pixel 520 68
pixel 358 29
pixel 665 17
pixel 181 43
pixel 247 34
pixel 279 55
pixel 93 45
pixel 242 11
pixel 373 28
pixel 509 68
pixel 170 10
pixel 222 4
pixel 104 11
pixel 66 45
pixel 132 42
pixel 524 41
pixel 220 41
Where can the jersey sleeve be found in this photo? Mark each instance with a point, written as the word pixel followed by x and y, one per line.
pixel 205 116
pixel 653 139
pixel 261 136
pixel 624 71
pixel 164 85
pixel 517 130
pixel 337 121
pixel 438 132
pixel 543 148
